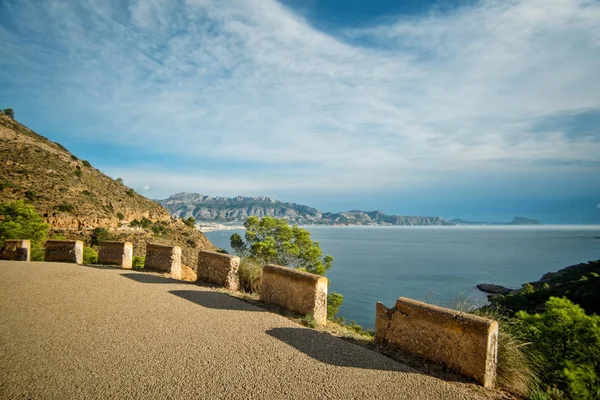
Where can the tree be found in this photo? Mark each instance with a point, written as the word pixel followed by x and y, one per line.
pixel 566 346
pixel 21 221
pixel 272 240
pixel 9 112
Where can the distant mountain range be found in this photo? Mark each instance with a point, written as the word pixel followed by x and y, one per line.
pixel 237 209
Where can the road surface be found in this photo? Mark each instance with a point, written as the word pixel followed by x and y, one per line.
pixel 69 331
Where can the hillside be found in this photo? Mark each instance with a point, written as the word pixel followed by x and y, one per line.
pixel 74 197
pixel 237 209
pixel 579 283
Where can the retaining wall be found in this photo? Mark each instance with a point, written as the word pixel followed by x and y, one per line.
pixel 16 250
pixel 164 258
pixel 116 253
pixel 64 251
pixel 463 342
pixel 221 269
pixel 298 291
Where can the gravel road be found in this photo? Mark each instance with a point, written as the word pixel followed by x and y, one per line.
pixel 70 331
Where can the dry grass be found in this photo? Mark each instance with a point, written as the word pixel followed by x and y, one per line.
pixel 250 274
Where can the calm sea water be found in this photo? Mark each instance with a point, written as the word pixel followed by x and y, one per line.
pixel 440 265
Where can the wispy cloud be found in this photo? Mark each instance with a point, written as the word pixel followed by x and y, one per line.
pixel 427 100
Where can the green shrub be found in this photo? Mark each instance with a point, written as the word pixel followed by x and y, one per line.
pixel 30 195
pixel 78 173
pixel 7 184
pixel 191 222
pixel 130 192
pixel 9 112
pixel 309 320
pixel 566 344
pixel 528 288
pixel 86 163
pixel 90 256
pixel 64 207
pixel 119 180
pixel 100 235
pixel 60 146
pixel 160 229
pixel 21 221
pixel 334 302
pixel 120 216
pixel 250 275
pixel 138 262
pixel 594 275
pixel 74 157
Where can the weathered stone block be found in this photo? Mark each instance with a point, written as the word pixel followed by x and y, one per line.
pixel 295 290
pixel 165 258
pixel 116 253
pixel 16 250
pixel 463 342
pixel 221 269
pixel 64 251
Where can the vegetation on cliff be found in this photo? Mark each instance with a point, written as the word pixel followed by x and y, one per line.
pixel 556 319
pixel 74 198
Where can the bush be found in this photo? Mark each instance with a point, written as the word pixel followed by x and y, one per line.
pixel 30 195
pixel 160 229
pixel 138 262
pixel 309 320
pixel 566 344
pixel 90 256
pixel 74 157
pixel 250 275
pixel 120 216
pixel 130 192
pixel 334 302
pixel 100 235
pixel 9 112
pixel 78 173
pixel 21 221
pixel 191 222
pixel 144 223
pixel 64 207
pixel 86 163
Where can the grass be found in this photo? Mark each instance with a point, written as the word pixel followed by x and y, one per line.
pixel 516 369
pixel 250 274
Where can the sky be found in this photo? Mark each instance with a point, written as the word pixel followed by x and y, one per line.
pixel 475 109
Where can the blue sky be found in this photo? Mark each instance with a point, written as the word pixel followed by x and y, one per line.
pixel 475 109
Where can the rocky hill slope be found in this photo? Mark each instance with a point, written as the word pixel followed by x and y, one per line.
pixel 74 197
pixel 237 209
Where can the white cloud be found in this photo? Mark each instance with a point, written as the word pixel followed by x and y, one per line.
pixel 253 82
pixel 146 188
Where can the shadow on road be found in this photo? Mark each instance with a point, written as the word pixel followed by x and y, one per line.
pixel 332 350
pixel 216 300
pixel 149 278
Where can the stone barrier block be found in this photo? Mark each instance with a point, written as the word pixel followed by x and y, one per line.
pixel 295 290
pixel 116 253
pixel 64 251
pixel 221 269
pixel 164 258
pixel 463 342
pixel 16 250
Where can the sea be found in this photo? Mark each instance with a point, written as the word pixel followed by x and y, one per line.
pixel 440 265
